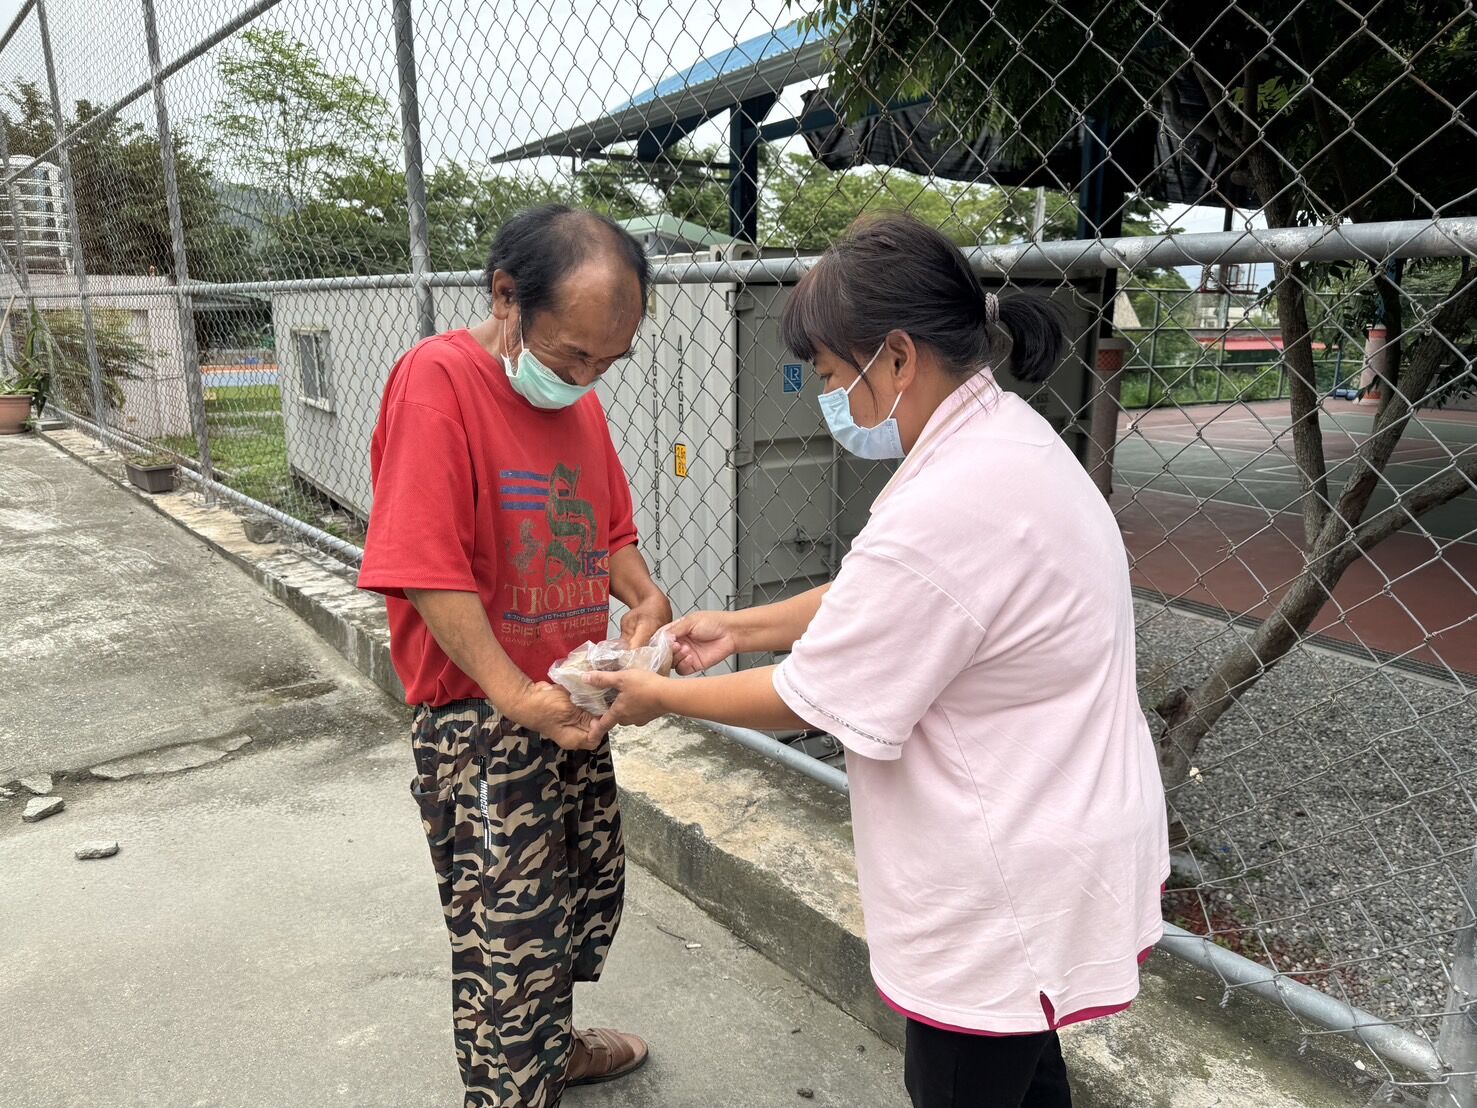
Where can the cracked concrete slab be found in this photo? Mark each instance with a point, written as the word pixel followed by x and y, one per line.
pixel 170 759
pixel 140 635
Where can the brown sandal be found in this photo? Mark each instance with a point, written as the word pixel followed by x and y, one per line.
pixel 601 1054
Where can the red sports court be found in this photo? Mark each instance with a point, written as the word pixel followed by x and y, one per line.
pixel 1207 497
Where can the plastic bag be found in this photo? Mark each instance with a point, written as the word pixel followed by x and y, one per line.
pixel 608 657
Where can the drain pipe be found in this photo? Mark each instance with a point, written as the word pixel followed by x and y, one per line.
pixel 761 743
pixel 1391 1042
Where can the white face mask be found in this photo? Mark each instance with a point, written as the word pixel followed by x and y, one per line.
pixel 881 443
pixel 540 385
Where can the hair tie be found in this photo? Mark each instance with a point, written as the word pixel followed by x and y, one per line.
pixel 992 309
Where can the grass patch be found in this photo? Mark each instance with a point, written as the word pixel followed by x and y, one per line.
pixel 248 448
pixel 223 397
pixel 1173 386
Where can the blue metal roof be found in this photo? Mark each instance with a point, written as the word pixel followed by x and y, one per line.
pixel 741 56
pixel 764 64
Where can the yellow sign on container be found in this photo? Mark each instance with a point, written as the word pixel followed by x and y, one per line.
pixel 679 460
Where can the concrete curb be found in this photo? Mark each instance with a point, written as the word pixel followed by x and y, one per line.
pixel 767 852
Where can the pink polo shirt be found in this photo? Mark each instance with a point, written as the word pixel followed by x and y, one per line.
pixel 976 657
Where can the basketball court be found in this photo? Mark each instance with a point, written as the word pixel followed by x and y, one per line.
pixel 1208 497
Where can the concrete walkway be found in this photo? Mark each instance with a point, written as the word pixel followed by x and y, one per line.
pixel 139 635
pixel 269 933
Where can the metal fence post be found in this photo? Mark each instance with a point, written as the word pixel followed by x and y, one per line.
pixel 184 301
pixel 74 225
pixel 1457 1045
pixel 415 180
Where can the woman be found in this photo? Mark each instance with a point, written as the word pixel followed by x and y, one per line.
pixel 975 656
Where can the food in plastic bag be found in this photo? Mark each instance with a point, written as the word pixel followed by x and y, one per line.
pixel 608 657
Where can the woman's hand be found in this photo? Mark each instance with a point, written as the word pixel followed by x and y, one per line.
pixel 638 698
pixel 701 640
pixel 645 619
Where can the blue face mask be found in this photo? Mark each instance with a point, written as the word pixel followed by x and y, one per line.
pixel 878 444
pixel 540 385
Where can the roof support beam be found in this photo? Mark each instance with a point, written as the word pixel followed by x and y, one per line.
pixel 822 119
pixel 744 141
pixel 651 144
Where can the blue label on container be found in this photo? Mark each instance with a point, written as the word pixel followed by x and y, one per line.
pixel 794 376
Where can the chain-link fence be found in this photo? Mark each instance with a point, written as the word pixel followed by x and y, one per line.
pixel 224 222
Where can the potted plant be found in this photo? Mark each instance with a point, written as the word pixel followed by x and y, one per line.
pixel 153 473
pixel 26 381
pixel 15 407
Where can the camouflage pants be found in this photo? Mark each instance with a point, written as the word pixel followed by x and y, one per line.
pixel 526 842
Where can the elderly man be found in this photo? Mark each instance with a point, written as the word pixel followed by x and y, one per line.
pixel 502 524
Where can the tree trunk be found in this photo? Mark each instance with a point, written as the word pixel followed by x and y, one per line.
pixel 1418 374
pixel 1331 539
pixel 1189 714
pixel 1297 350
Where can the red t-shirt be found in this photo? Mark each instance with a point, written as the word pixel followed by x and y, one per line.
pixel 476 490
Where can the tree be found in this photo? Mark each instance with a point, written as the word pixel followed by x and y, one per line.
pixel 699 192
pixel 362 223
pixel 609 188
pixel 807 206
pixel 319 146
pixel 684 181
pixel 1356 297
pixel 63 347
pixel 118 181
pixel 465 210
pixel 292 125
pixel 1352 115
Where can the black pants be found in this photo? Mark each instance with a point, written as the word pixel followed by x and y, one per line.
pixel 948 1069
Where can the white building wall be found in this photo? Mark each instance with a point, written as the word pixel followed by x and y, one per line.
pixel 368 330
pixel 155 404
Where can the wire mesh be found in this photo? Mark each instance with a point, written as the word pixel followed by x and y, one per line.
pixel 1287 436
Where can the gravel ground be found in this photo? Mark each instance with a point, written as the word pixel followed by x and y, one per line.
pixel 1333 813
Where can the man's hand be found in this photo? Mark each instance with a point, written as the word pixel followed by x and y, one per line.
pixel 646 619
pixel 547 709
pixel 702 640
pixel 631 584
pixel 639 699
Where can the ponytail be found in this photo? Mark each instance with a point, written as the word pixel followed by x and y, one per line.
pixel 1037 337
pixel 891 271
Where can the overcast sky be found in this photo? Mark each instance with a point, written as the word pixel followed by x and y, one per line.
pixel 493 73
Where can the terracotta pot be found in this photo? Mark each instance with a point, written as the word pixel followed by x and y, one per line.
pixel 14 412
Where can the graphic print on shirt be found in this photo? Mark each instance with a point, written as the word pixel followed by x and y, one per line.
pixel 522 558
pixel 563 578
